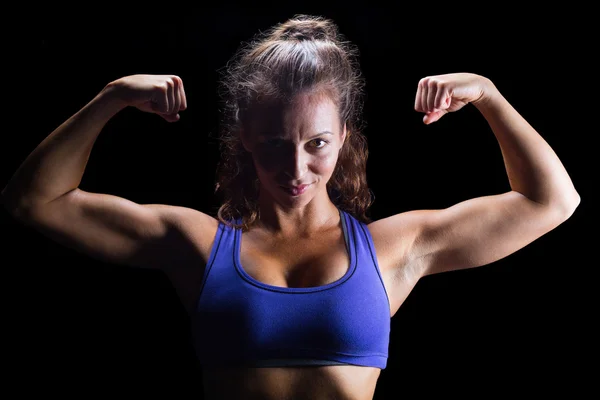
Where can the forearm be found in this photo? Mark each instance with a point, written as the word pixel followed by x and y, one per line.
pixel 533 168
pixel 57 164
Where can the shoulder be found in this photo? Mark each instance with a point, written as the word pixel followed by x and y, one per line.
pixel 395 237
pixel 189 225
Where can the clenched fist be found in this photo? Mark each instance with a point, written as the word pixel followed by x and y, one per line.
pixel 440 94
pixel 160 94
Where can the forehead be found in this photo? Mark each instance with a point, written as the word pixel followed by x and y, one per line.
pixel 305 113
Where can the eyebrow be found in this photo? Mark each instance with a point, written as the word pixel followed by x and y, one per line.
pixel 312 137
pixel 321 133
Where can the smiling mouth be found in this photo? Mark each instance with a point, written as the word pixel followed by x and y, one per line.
pixel 296 190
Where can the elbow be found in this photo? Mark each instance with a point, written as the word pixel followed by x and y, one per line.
pixel 8 202
pixel 14 205
pixel 575 203
pixel 568 205
pixel 13 210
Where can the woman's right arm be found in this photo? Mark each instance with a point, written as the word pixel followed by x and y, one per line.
pixel 44 192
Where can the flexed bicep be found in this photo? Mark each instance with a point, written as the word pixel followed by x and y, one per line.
pixel 469 234
pixel 120 231
pixel 480 231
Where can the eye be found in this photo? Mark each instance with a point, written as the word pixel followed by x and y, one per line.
pixel 324 142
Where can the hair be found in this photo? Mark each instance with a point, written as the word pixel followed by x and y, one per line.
pixel 304 53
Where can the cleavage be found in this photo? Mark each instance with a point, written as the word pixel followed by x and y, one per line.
pixel 301 263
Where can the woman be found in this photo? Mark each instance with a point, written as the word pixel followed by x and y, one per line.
pixel 291 287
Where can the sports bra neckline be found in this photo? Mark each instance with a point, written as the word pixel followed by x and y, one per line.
pixel 352 265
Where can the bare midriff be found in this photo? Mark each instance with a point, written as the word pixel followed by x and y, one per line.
pixel 340 382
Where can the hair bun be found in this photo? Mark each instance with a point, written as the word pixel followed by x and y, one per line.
pixel 304 27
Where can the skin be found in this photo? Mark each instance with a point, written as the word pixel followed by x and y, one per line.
pixel 292 145
pixel 280 249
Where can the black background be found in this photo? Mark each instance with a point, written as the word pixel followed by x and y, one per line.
pixel 80 327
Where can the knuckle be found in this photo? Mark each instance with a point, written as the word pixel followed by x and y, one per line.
pixel 435 83
pixel 162 86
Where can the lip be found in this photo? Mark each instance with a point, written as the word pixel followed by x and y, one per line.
pixel 296 190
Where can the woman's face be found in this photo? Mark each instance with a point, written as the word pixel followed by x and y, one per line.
pixel 295 147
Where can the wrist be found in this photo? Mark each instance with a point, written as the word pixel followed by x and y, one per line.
pixel 489 95
pixel 109 101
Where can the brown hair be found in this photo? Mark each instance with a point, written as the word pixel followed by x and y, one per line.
pixel 304 53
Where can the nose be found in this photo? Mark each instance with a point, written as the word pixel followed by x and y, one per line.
pixel 297 164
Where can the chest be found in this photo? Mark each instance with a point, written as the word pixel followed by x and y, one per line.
pixel 299 263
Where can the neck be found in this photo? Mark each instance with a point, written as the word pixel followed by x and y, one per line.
pixel 318 215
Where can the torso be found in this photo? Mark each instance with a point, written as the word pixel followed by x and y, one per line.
pixel 304 262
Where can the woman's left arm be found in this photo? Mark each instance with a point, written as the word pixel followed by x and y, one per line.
pixel 533 168
pixel 485 229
